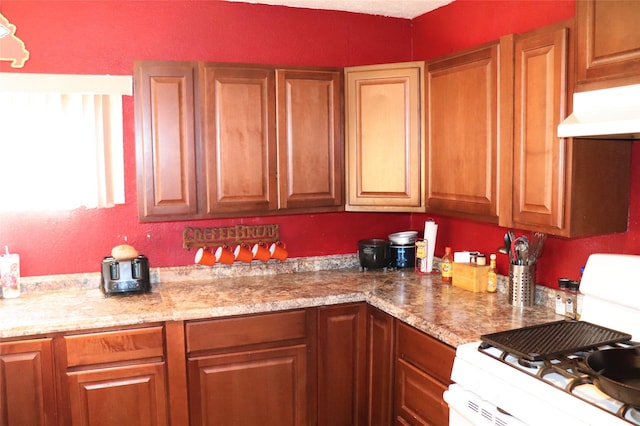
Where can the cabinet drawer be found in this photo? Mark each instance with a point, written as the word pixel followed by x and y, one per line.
pixel 249 330
pixel 419 398
pixel 425 352
pixel 113 346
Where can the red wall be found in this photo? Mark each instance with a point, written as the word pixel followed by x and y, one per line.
pixel 468 23
pixel 99 37
pixel 464 24
pixel 104 37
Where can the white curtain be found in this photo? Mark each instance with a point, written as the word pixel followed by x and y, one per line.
pixel 59 150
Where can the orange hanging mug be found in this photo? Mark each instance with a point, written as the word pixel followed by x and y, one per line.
pixel 260 251
pixel 243 253
pixel 205 257
pixel 278 251
pixel 224 255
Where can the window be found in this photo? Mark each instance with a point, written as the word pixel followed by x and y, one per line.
pixel 61 144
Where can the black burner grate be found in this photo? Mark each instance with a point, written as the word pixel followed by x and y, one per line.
pixel 544 341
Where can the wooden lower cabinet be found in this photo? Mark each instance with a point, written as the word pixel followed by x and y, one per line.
pixel 113 378
pixel 347 364
pixel 380 367
pixel 341 364
pixel 419 397
pixel 423 368
pixel 125 395
pixel 250 370
pixel 256 387
pixel 27 389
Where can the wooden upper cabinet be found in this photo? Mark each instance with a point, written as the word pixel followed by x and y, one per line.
pixel 166 135
pixel 223 140
pixel 463 111
pixel 385 143
pixel 310 139
pixel 239 138
pixel 566 187
pixel 540 103
pixel 608 43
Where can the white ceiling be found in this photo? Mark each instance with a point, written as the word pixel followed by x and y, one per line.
pixel 407 9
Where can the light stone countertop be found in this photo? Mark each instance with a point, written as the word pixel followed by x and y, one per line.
pixel 448 313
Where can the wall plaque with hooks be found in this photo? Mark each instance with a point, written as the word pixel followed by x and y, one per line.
pixel 229 235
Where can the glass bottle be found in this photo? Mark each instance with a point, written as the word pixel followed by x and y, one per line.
pixel 492 275
pixel 572 299
pixel 561 296
pixel 446 267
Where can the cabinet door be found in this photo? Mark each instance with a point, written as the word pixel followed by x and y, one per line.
pixel 423 369
pixel 385 142
pixel 27 388
pixel 116 396
pixel 239 134
pixel 540 157
pixel 310 139
pixel 419 398
pixel 463 136
pixel 608 43
pixel 166 135
pixel 380 367
pixel 341 364
pixel 257 387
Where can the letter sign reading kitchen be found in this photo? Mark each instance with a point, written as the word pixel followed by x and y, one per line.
pixel 11 47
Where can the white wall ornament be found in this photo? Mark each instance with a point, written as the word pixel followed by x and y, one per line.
pixel 11 47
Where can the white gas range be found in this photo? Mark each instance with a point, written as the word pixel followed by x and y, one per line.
pixel 536 376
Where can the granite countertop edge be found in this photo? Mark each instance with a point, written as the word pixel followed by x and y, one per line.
pixel 447 313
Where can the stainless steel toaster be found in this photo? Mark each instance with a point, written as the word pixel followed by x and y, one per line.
pixel 129 276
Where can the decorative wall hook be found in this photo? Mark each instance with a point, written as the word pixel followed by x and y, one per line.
pixel 11 47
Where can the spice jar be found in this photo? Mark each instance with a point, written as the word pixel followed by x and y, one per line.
pixel 572 300
pixel 561 296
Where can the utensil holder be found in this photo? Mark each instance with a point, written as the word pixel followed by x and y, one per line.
pixel 522 285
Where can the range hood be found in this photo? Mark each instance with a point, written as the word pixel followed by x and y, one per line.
pixel 607 113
